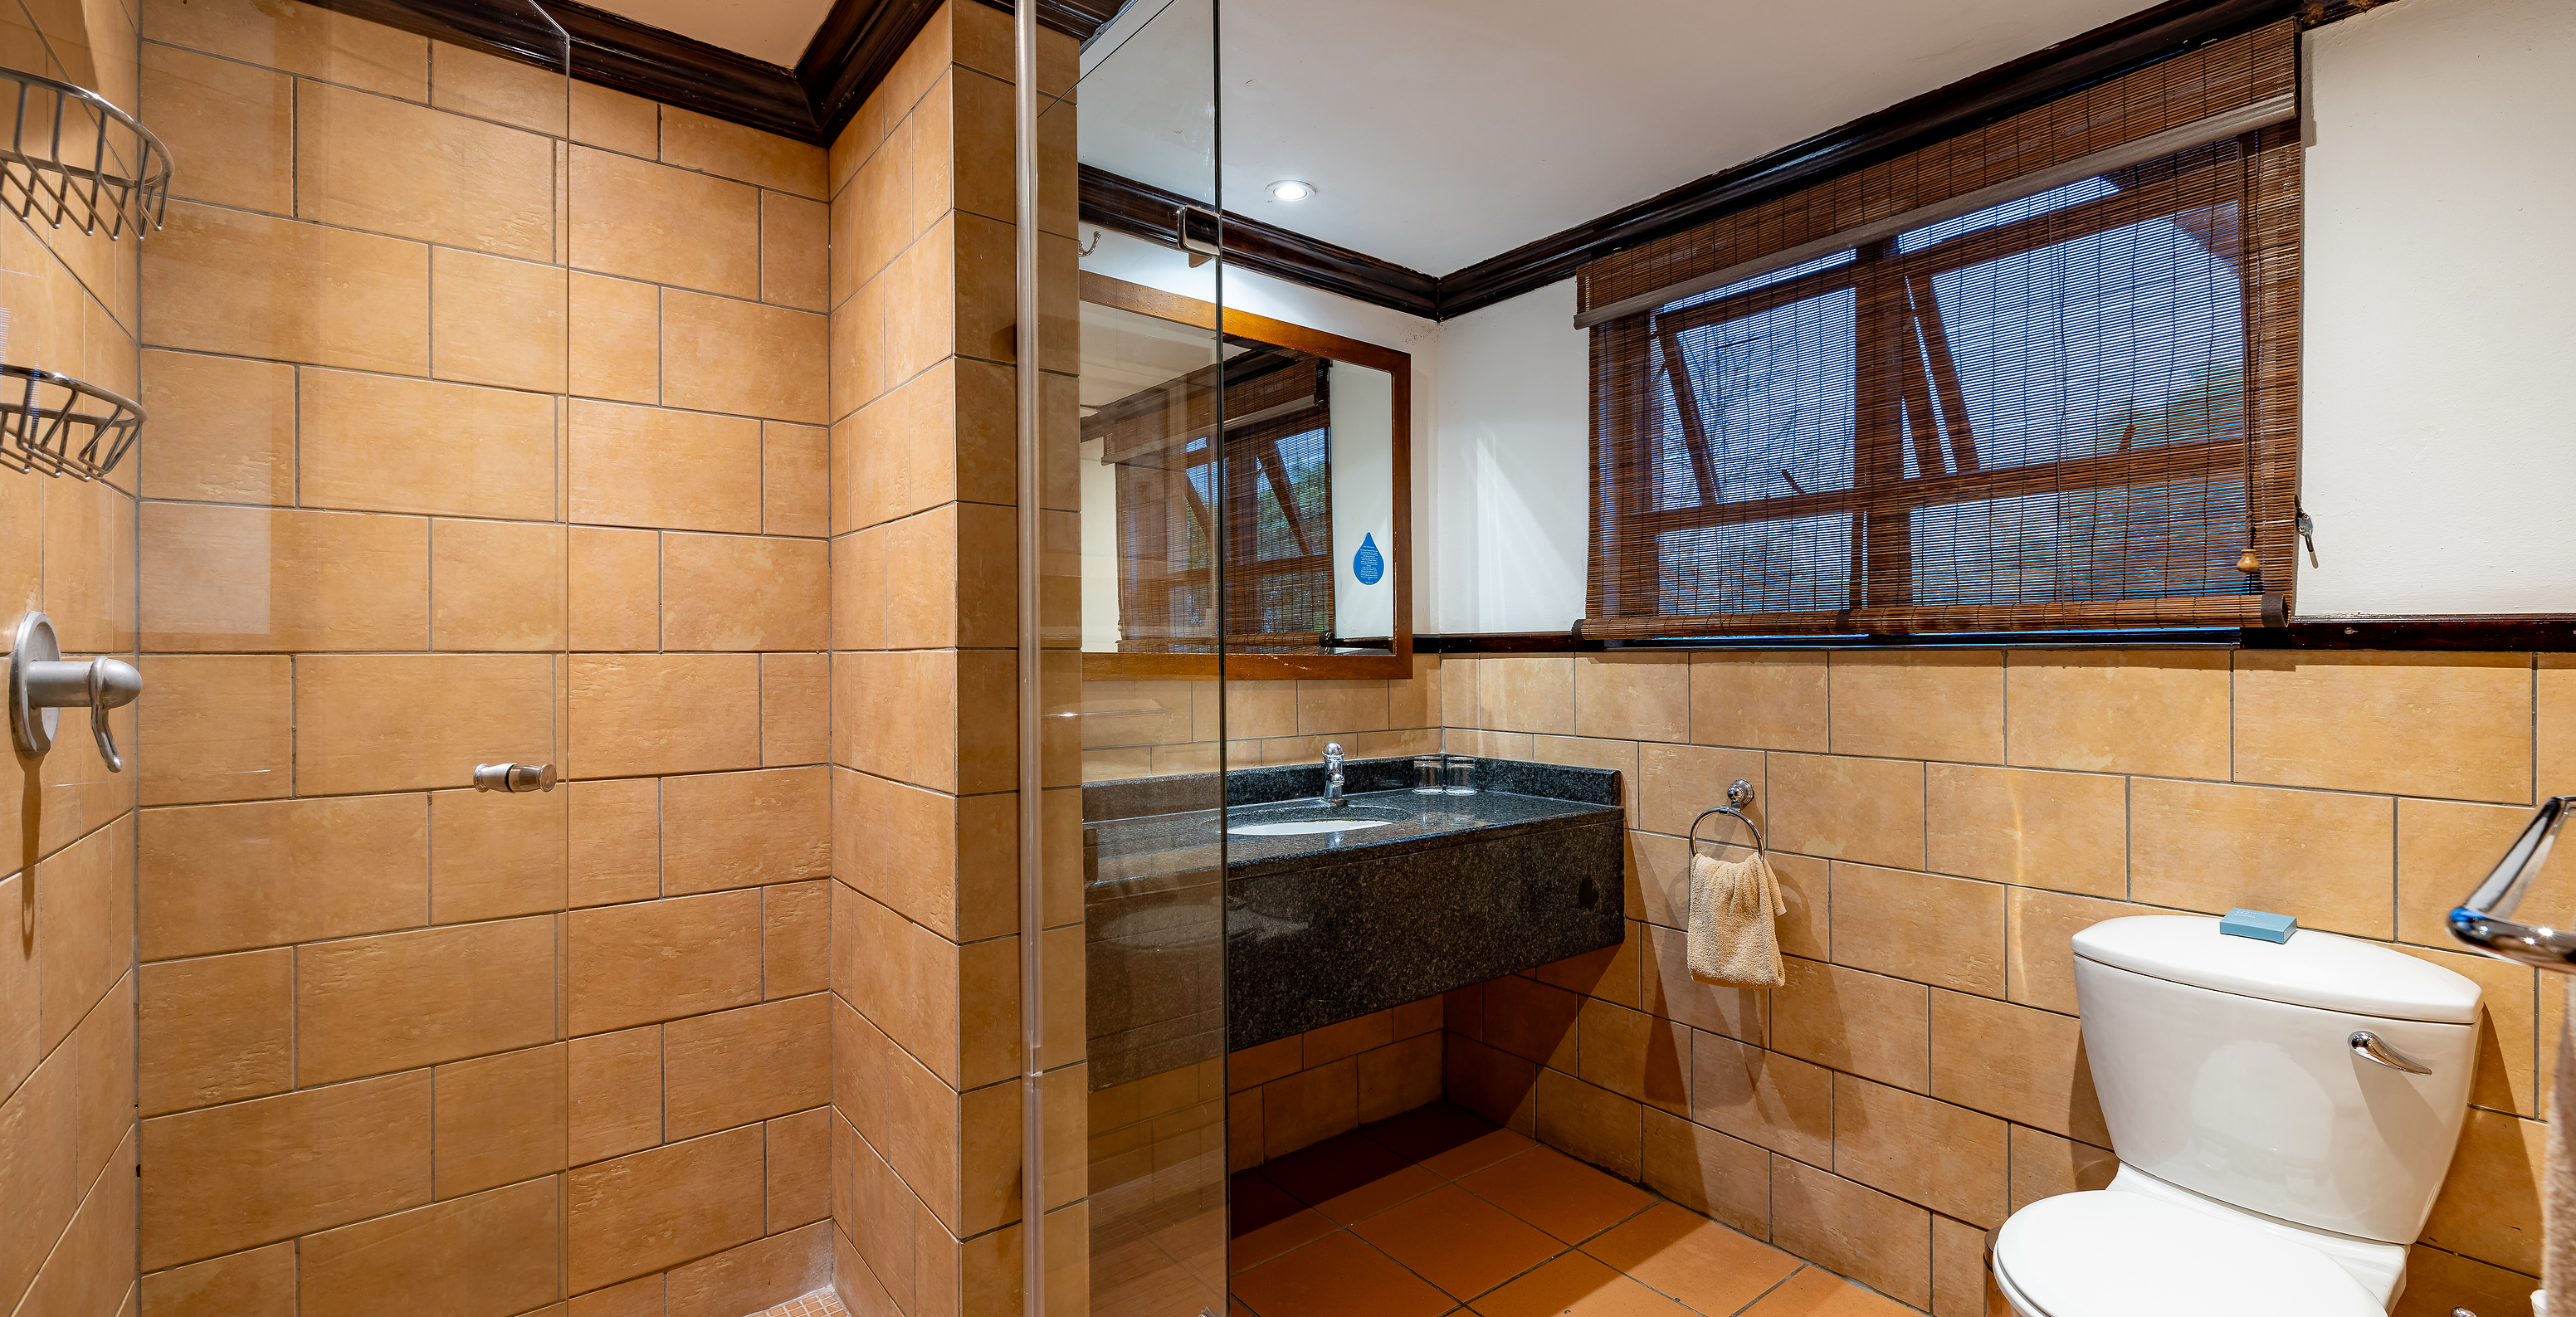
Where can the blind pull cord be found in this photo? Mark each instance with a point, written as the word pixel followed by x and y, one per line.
pixel 2308 532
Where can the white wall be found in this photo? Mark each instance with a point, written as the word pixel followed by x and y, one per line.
pixel 1511 467
pixel 2439 416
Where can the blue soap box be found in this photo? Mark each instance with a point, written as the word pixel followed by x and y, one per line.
pixel 2261 924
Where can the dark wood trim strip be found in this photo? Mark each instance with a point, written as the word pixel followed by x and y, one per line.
pixel 1144 211
pixel 614 51
pixel 2548 633
pixel 851 53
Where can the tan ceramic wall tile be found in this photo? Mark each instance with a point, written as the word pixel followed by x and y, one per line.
pixel 614 1093
pixel 235 122
pixel 91 1268
pixel 615 120
pixel 215 1030
pixel 396 723
pixel 795 486
pixel 1775 701
pixel 2323 857
pixel 658 960
pixel 2063 830
pixel 1532 1021
pixel 496 854
pixel 664 713
pixel 388 445
pixel 1676 783
pixel 220 728
pixel 376 1004
pixel 1671 992
pixel 258 1282
pixel 2445 848
pixel 641 1297
pixel 498 1120
pixel 1590 1123
pixel 497 321
pixel 2489 1207
pixel 794 234
pixel 1765 1098
pixel 795 696
pixel 229 1177
pixel 496 585
pixel 613 836
pixel 233 282
pixel 2044 1166
pixel 939 437
pixel 664 225
pixel 1949 1158
pixel 895 586
pixel 1458 692
pixel 771 1270
pixel 463 183
pixel 2554 751
pixel 2506 1046
pixel 2455 725
pixel 1714 1174
pixel 1928 705
pixel 1948 932
pixel 313 42
pixel 510 1236
pixel 734 1067
pixel 695 141
pixel 1885 1243
pixel 489 87
pixel 795 938
pixel 1859 1023
pixel 615 338
pixel 1331 707
pixel 223 877
pixel 1526 694
pixel 1632 697
pixel 615 588
pixel 1308 1107
pixel 234 578
pixel 735 592
pixel 83 906
pixel 1959 1283
pixel 905 721
pixel 725 830
pixel 223 429
pixel 2044 925
pixel 1400 1076
pixel 724 355
pixel 1866 810
pixel 2019 1063
pixel 1618 756
pixel 638 466
pixel 2442 1281
pixel 2162 712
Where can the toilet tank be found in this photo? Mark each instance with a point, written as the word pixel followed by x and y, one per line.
pixel 2224 1065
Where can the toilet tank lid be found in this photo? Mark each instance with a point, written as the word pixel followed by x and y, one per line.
pixel 2323 970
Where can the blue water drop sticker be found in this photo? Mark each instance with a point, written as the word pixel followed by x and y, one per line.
pixel 1368 564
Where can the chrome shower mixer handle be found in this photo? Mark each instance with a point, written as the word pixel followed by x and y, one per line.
pixel 42 685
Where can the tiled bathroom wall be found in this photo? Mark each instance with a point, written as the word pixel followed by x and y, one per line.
pixel 1942 823
pixel 1161 728
pixel 927 1059
pixel 487 425
pixel 67 1127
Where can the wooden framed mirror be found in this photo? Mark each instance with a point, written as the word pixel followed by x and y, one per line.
pixel 1306 497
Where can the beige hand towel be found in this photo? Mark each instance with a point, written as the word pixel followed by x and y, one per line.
pixel 1734 914
pixel 2558 1197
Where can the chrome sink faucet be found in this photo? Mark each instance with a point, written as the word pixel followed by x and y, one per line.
pixel 1333 776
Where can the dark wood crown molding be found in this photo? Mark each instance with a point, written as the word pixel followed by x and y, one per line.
pixel 1145 211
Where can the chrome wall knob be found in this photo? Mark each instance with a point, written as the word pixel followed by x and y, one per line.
pixel 42 685
pixel 514 777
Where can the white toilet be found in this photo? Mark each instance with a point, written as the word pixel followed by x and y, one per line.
pixel 2268 1165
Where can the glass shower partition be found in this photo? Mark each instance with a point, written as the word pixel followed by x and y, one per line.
pixel 1148 706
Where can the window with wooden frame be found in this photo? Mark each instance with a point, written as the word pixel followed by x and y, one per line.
pixel 2038 377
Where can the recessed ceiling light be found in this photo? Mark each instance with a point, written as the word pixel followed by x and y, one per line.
pixel 1291 190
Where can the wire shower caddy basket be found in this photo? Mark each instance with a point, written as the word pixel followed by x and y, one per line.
pixel 63 426
pixel 71 155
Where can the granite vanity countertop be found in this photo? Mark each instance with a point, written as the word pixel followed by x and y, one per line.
pixel 1162 844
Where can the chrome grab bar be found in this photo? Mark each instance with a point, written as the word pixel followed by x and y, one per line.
pixel 2484 921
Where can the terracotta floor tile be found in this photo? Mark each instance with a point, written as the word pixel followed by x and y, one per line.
pixel 1816 1292
pixel 1693 1259
pixel 1338 1276
pixel 1458 1241
pixel 1349 1178
pixel 1255 1247
pixel 1447 1139
pixel 1557 1194
pixel 1140 1278
pixel 1575 1286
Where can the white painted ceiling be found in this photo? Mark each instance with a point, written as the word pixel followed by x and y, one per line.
pixel 772 30
pixel 1439 133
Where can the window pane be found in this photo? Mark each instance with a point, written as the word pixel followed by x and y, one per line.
pixel 1797 564
pixel 2067 546
pixel 1774 397
pixel 1844 257
pixel 2128 338
pixel 2040 203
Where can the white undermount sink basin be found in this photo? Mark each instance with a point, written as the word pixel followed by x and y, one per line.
pixel 1307 819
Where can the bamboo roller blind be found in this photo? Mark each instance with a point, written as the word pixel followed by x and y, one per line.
pixel 2073 409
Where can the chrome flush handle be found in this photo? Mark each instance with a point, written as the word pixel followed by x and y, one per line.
pixel 2366 1043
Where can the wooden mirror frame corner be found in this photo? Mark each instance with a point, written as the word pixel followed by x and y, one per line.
pixel 1102 290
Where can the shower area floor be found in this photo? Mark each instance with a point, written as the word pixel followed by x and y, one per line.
pixel 1440 1213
